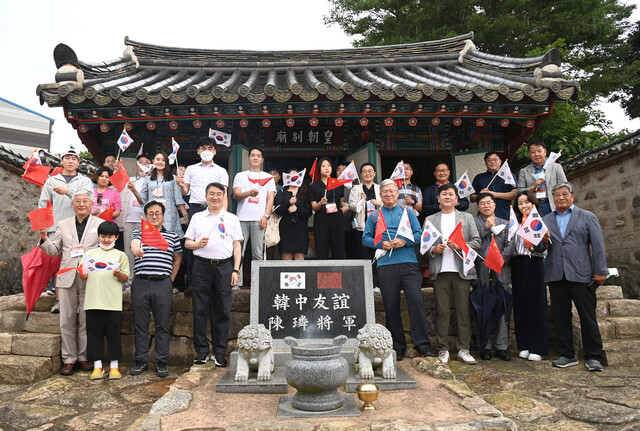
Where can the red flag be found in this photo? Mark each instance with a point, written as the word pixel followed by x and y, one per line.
pixel 56 171
pixel 108 213
pixel 152 237
pixel 261 182
pixel 334 183
pixel 120 179
pixel 42 218
pixel 494 259
pixel 36 174
pixel 399 183
pixel 457 238
pixel 313 172
pixel 381 227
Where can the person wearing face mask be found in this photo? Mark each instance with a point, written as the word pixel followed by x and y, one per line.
pixel 73 236
pixel 195 180
pixel 103 302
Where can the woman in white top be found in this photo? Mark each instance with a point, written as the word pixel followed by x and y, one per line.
pixel 363 200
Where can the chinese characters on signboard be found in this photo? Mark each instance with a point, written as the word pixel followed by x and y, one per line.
pixel 304 137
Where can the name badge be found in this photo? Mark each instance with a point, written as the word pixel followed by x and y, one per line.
pixel 541 194
pixel 331 208
pixel 77 251
pixel 254 199
pixel 94 230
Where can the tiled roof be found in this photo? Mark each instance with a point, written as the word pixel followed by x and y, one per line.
pixel 10 157
pixel 626 144
pixel 427 70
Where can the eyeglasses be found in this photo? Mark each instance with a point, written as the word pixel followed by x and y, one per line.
pixel 368 171
pixel 562 195
pixel 493 160
pixel 388 192
pixel 221 194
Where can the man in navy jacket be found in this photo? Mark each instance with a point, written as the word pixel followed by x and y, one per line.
pixel 576 266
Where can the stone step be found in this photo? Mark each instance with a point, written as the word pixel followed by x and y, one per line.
pixel 607 331
pixel 39 321
pixel 609 292
pixel 28 344
pixel 622 352
pixel 625 327
pixel 624 307
pixel 19 370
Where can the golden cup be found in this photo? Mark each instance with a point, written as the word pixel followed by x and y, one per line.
pixel 367 393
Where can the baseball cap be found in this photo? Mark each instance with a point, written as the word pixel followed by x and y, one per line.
pixel 70 152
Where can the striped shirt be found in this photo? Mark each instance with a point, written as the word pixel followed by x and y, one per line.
pixel 155 261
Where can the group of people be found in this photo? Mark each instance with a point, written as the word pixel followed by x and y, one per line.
pixel 190 210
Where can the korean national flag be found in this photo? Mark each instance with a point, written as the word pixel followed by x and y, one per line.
pixel 349 173
pixel 124 141
pixel 175 147
pixel 91 265
pixel 533 228
pixel 469 261
pixel 505 173
pixel 513 223
pixel 464 186
pixel 293 179
pixel 398 172
pixel 404 227
pixel 220 137
pixel 429 236
pixel 551 159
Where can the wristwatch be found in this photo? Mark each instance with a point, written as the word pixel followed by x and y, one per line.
pixel 237 271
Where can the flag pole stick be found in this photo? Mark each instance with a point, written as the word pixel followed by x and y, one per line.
pixel 496 174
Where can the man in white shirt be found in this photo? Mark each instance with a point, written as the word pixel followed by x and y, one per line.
pixel 254 190
pixel 196 178
pixel 215 237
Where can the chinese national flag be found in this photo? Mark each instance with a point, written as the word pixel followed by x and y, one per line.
pixel 108 213
pixel 313 172
pixel 334 183
pixel 458 238
pixel 120 179
pixel 260 181
pixel 36 174
pixel 42 218
pixel 381 227
pixel 56 171
pixel 494 259
pixel 152 237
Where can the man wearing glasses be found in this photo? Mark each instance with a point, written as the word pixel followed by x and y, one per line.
pixel 503 193
pixel 215 236
pixel 576 266
pixel 430 194
pixel 152 291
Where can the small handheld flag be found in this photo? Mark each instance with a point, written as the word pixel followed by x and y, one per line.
pixel 429 236
pixel 349 173
pixel 108 213
pixel 404 227
pixel 175 147
pixel 457 237
pixel 35 158
pixel 293 179
pixel 505 173
pixel 152 237
pixel 140 150
pixel 220 137
pixel 42 218
pixel 398 174
pixel 551 159
pixel 513 223
pixel 261 181
pixel 381 228
pixel 91 265
pixel 533 228
pixel 494 259
pixel 36 174
pixel 120 179
pixel 334 183
pixel 469 261
pixel 124 141
pixel 313 172
pixel 464 185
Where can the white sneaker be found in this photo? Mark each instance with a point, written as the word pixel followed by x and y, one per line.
pixel 465 356
pixel 376 289
pixel 443 356
pixel 534 357
pixel 524 354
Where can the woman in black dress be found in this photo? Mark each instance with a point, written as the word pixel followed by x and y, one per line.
pixel 328 221
pixel 292 205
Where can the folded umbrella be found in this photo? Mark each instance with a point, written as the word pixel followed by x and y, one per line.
pixel 37 269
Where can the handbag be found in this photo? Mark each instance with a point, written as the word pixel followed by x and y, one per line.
pixel 272 231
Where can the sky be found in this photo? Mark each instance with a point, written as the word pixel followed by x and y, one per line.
pixel 30 30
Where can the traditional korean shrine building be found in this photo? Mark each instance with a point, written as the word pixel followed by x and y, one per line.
pixel 421 101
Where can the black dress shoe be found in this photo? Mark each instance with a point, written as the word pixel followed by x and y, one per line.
pixel 423 352
pixel 503 355
pixel 399 355
pixel 84 366
pixel 485 355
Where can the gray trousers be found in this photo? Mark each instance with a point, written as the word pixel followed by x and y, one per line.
pixel 251 229
pixel 73 322
pixel 156 297
pixel 443 286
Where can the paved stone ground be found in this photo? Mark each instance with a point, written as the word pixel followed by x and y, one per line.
pixel 492 395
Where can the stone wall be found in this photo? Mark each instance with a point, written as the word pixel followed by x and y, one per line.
pixel 17 198
pixel 611 189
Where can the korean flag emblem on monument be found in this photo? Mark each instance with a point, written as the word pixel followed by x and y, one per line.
pixel 292 280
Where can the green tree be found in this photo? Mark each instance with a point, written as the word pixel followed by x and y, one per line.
pixel 590 33
pixel 629 75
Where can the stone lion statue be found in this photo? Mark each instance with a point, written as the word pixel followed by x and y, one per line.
pixel 254 352
pixel 374 350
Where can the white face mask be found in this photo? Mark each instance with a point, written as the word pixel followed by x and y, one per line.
pixel 206 156
pixel 107 247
